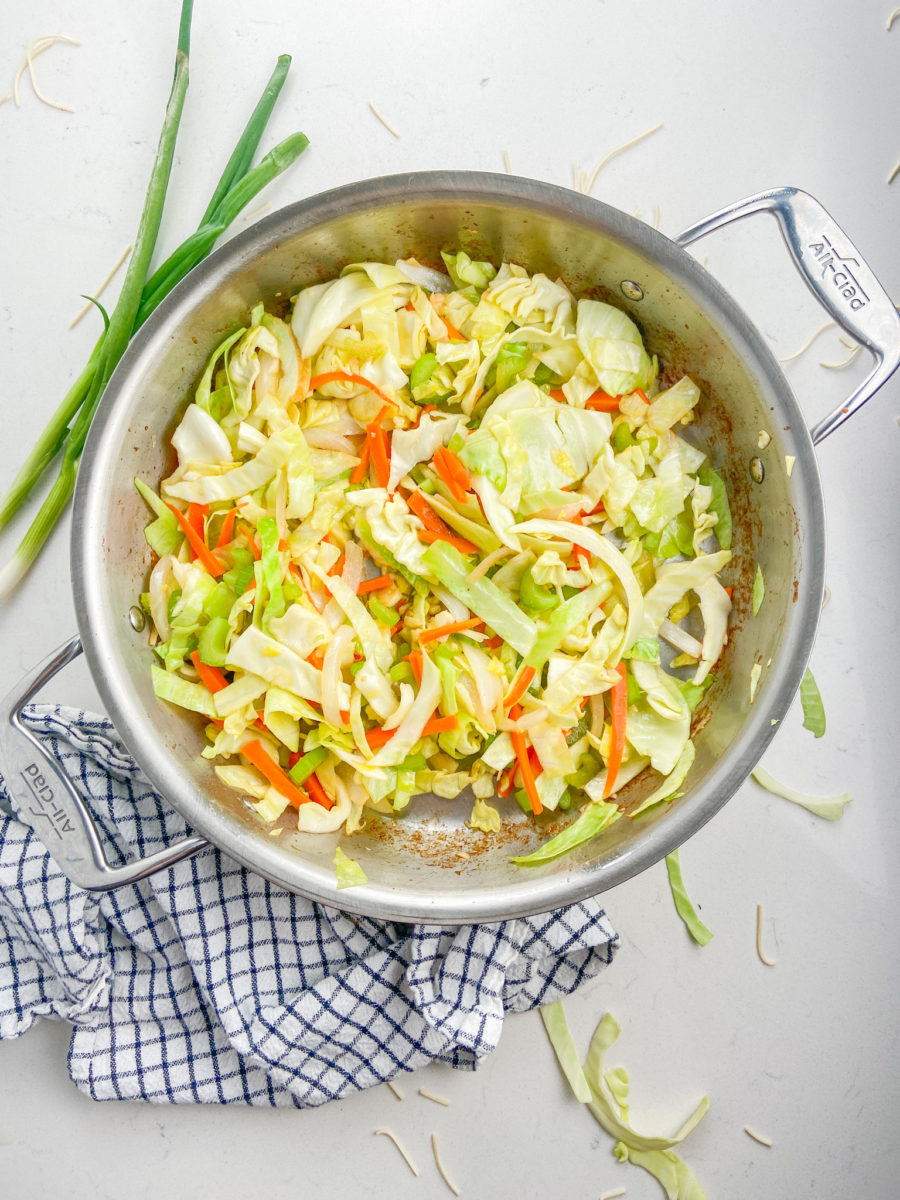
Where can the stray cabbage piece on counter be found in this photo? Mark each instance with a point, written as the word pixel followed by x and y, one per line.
pixel 436 531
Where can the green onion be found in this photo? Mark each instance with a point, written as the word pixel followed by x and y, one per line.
pixel 383 614
pixel 139 296
pixel 302 770
pixel 211 645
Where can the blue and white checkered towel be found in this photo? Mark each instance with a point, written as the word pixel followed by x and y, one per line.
pixel 208 984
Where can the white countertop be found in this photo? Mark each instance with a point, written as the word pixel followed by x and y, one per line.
pixel 752 96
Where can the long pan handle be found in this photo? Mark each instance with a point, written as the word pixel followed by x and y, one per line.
pixel 47 799
pixel 836 274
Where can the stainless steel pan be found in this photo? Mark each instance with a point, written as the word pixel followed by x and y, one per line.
pixel 428 866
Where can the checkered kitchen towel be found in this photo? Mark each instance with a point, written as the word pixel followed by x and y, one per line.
pixel 208 984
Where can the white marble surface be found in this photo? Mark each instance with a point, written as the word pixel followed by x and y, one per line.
pixel 752 95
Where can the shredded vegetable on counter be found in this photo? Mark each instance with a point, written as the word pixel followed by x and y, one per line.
pixel 434 531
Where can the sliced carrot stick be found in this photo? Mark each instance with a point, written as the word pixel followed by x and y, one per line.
pixel 266 764
pixel 521 749
pixel 374 585
pixel 348 377
pixel 358 474
pixel 558 394
pixel 427 515
pixel 379 452
pixel 337 567
pixel 618 714
pixel 197 514
pixel 519 687
pixel 507 779
pixel 211 677
pixel 317 792
pixel 378 737
pixel 601 401
pixel 211 563
pixel 453 333
pixel 445 467
pixel 458 543
pixel 226 533
pixel 440 631
pixel 316 659
pixel 414 658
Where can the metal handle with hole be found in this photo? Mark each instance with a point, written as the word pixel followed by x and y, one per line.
pixel 836 274
pixel 47 799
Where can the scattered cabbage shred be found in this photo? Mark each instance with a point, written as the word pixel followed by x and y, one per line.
pixel 341 472
pixel 605 1092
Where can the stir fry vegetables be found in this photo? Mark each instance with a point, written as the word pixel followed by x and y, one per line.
pixel 435 531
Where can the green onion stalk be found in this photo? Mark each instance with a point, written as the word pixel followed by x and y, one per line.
pixel 239 183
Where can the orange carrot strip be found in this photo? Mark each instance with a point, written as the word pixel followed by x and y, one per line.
pixel 558 394
pixel 378 737
pixel 211 677
pixel 197 514
pixel 374 585
pixel 439 631
pixel 358 474
pixel 348 377
pixel 453 333
pixel 518 741
pixel 379 452
pixel 215 566
pixel 414 658
pixel 507 779
pixel 601 401
pixel 618 712
pixel 493 643
pixel 337 567
pixel 458 543
pixel 266 764
pixel 427 515
pixel 317 792
pixel 444 468
pixel 520 687
pixel 226 533
pixel 316 659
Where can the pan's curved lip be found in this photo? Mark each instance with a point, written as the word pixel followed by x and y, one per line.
pixel 558 884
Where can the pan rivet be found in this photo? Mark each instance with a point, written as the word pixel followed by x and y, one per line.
pixel 757 470
pixel 631 290
pixel 136 618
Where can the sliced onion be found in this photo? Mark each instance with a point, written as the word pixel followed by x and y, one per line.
pixel 353 565
pixel 435 281
pixel 328 438
pixel 680 639
pixel 331 674
pixel 160 579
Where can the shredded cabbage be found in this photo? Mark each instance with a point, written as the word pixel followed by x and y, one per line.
pixel 424 510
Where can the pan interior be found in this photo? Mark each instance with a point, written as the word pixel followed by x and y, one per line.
pixel 429 865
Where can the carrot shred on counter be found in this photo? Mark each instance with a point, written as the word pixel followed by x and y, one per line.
pixel 211 677
pixel 211 563
pixel 439 631
pixel 378 737
pixel 618 713
pixel 267 766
